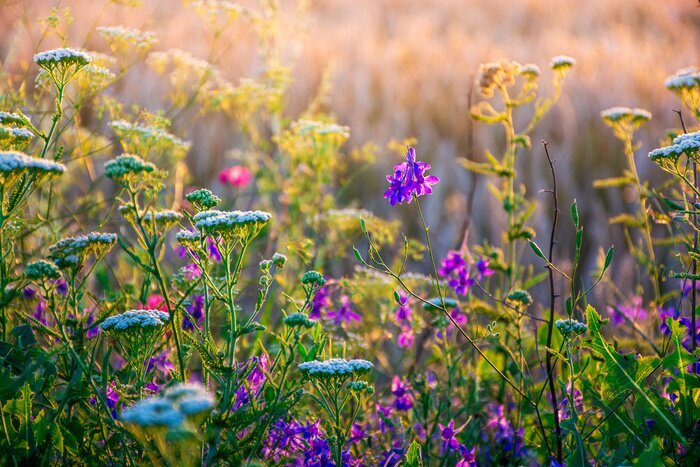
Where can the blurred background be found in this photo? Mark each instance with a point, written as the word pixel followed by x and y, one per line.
pixel 406 68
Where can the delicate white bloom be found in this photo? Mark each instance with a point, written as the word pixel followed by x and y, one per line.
pixel 188 237
pixel 570 326
pixel 191 398
pixel 695 136
pixel 135 319
pixel 687 78
pixel 686 146
pixel 615 114
pixel 153 412
pixel 562 62
pixel 150 135
pixel 15 134
pixel 530 71
pixel 71 251
pixel 13 161
pixel 184 390
pixel 127 164
pixel 335 367
pixel 164 217
pixel 222 222
pixel 50 58
pixel 124 38
pixel 7 118
pixel 321 128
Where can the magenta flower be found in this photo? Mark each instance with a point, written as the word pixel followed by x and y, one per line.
pixel 344 314
pixel 635 312
pixel 482 269
pixel 235 176
pixel 403 394
pixel 453 262
pixel 406 338
pixel 468 457
pixel 409 180
pixel 447 433
pixel 455 269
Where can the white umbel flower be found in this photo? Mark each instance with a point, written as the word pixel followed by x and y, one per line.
pixel 335 367
pixel 228 223
pixel 135 319
pixel 14 161
pixel 153 412
pixel 562 62
pixel 70 252
pixel 64 56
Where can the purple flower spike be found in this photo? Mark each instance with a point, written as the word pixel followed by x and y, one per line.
pixel 409 180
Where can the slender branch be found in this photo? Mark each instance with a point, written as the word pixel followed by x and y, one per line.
pixel 553 297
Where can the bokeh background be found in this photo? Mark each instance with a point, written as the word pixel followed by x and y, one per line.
pixel 405 68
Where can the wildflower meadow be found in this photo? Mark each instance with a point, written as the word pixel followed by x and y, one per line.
pixel 202 264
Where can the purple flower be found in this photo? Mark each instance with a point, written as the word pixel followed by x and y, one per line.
pixel 160 362
pixel 344 314
pixel 61 287
pixel 403 312
pixel 357 433
pixel 111 397
pixel 455 269
pixel 453 262
pixel 403 394
pixel 564 406
pixel 409 180
pixel 447 433
pixel 406 338
pixel 482 269
pixel 29 292
pixel 195 310
pixel 635 312
pixel 499 430
pixel 254 380
pixel 664 314
pixel 213 250
pixel 320 303
pixel 468 457
pixel 192 271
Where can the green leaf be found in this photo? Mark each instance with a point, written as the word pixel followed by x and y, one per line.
pixel 362 224
pixel 623 373
pixel 357 255
pixel 537 250
pixel 608 258
pixel 414 456
pixel 574 214
pixel 397 297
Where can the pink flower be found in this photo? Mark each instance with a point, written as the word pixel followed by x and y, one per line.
pixel 155 302
pixel 235 176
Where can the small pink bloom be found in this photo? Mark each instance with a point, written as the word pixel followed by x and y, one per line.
pixel 155 302
pixel 235 176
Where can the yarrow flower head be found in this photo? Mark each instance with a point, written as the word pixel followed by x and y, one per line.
pixel 203 199
pixel 335 368
pixel 14 165
pixel 62 64
pixel 42 270
pixel 625 121
pixel 190 398
pixel 409 180
pixel 686 84
pixel 298 320
pixel 313 278
pixel 562 62
pixel 135 319
pixel 12 118
pixel 124 40
pixel 14 138
pixel 153 412
pixel 70 253
pixel 244 225
pixel 569 327
pixel 125 167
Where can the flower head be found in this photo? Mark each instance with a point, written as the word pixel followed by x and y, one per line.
pixel 409 180
pixel 235 176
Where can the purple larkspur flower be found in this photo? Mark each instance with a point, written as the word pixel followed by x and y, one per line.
pixel 664 314
pixel 403 394
pixel 61 287
pixel 500 431
pixel 161 363
pixel 320 302
pixel 565 407
pixel 28 293
pixel 455 269
pixel 192 271
pixel 111 397
pixel 482 269
pixel 195 313
pixel 254 381
pixel 634 312
pixel 447 434
pixel 452 262
pixel 409 180
pixel 403 312
pixel 406 338
pixel 358 432
pixel 468 457
pixel 344 314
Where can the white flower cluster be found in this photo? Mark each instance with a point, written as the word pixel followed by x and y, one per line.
pixel 153 412
pixel 171 410
pixel 135 319
pixel 190 398
pixel 570 326
pixel 530 71
pixel 164 217
pixel 40 270
pixel 13 161
pixel 17 135
pixel 684 144
pixel 119 37
pixel 126 164
pixel 223 222
pixel 188 237
pixel 71 251
pixel 149 134
pixel 687 78
pixel 616 114
pixel 561 62
pixel 321 128
pixel 64 56
pixel 7 118
pixel 335 367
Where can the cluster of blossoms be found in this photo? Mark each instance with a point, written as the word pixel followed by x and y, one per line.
pixel 688 144
pixel 403 318
pixel 562 62
pixel 124 39
pixel 686 78
pixel 125 166
pixel 70 252
pixel 302 444
pixel 335 367
pixel 402 393
pixel 61 59
pixel 149 136
pixel 633 312
pixel 625 121
pixel 409 180
pixel 15 164
pixel 161 220
pixel 503 439
pixel 203 199
pixel 235 176
pixel 135 319
pixel 450 443
pixel 564 405
pixel 11 118
pixel 12 137
pixel 304 127
pixel 42 270
pixel 190 241
pixel 569 327
pixel 178 403
pixel 195 311
pixel 458 273
pixel 253 382
pixel 299 320
pixel 240 224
